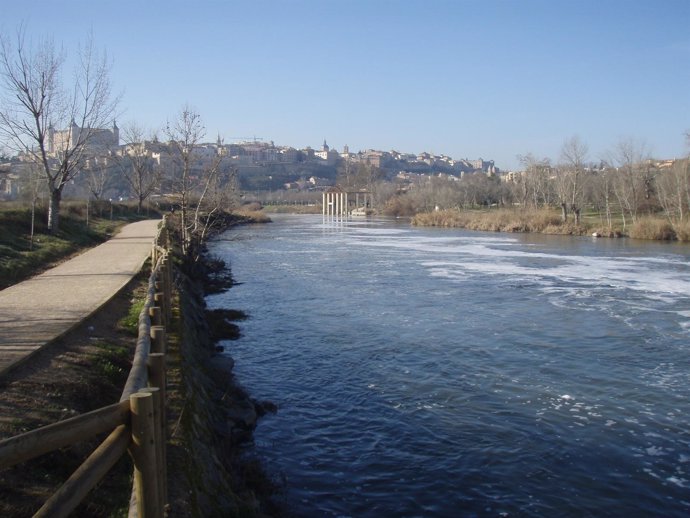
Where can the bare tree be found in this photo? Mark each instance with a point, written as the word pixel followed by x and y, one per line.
pixel 602 192
pixel 344 173
pixel 202 185
pixel 98 177
pixel 535 188
pixel 570 177
pixel 184 133
pixel 34 188
pixel 631 184
pixel 35 100
pixel 137 165
pixel 365 176
pixel 382 192
pixel 219 192
pixel 478 190
pixel 674 191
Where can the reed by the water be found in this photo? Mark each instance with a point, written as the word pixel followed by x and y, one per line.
pixel 501 220
pixel 661 229
pixel 547 221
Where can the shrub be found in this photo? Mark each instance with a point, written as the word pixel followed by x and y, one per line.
pixel 442 218
pixel 256 216
pixel 400 206
pixel 251 207
pixel 682 230
pixel 652 228
pixel 502 220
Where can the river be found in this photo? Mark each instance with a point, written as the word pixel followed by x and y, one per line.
pixel 436 372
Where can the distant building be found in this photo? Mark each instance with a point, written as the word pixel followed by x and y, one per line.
pixel 289 155
pixel 326 154
pixel 512 176
pixel 9 187
pixel 99 139
pixel 308 153
pixel 482 165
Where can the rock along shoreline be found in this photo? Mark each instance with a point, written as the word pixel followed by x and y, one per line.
pixel 218 417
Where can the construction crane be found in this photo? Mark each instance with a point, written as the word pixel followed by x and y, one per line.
pixel 254 138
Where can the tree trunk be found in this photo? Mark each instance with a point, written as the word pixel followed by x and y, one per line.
pixel 564 212
pixel 184 231
pixel 608 212
pixel 54 211
pixel 33 220
pixel 576 211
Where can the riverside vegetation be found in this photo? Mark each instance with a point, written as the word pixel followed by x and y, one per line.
pixel 210 415
pixel 546 221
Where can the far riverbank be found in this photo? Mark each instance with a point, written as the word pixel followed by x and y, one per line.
pixel 549 222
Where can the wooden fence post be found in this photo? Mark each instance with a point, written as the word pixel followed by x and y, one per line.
pixel 160 436
pixel 158 340
pixel 144 452
pixel 160 298
pixel 155 315
pixel 166 266
pixel 157 374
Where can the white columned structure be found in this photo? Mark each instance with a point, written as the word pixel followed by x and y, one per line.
pixel 337 203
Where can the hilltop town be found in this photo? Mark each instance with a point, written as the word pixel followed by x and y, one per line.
pixel 259 165
pixel 255 172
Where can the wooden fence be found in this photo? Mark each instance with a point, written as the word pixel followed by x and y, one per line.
pixel 137 422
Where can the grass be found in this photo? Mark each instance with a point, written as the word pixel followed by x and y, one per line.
pixel 112 361
pixel 130 322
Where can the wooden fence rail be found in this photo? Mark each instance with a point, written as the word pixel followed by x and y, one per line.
pixel 137 422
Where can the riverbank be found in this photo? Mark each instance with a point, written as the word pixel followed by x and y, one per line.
pixel 215 417
pixel 549 222
pixel 210 417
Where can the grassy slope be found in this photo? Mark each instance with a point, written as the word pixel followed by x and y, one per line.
pixel 20 259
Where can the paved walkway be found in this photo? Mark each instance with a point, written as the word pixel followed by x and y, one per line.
pixel 35 312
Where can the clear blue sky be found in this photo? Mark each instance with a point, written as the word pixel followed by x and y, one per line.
pixel 469 79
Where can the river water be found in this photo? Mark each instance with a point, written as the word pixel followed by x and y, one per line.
pixel 436 372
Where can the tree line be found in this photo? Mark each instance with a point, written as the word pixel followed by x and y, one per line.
pixel 618 188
